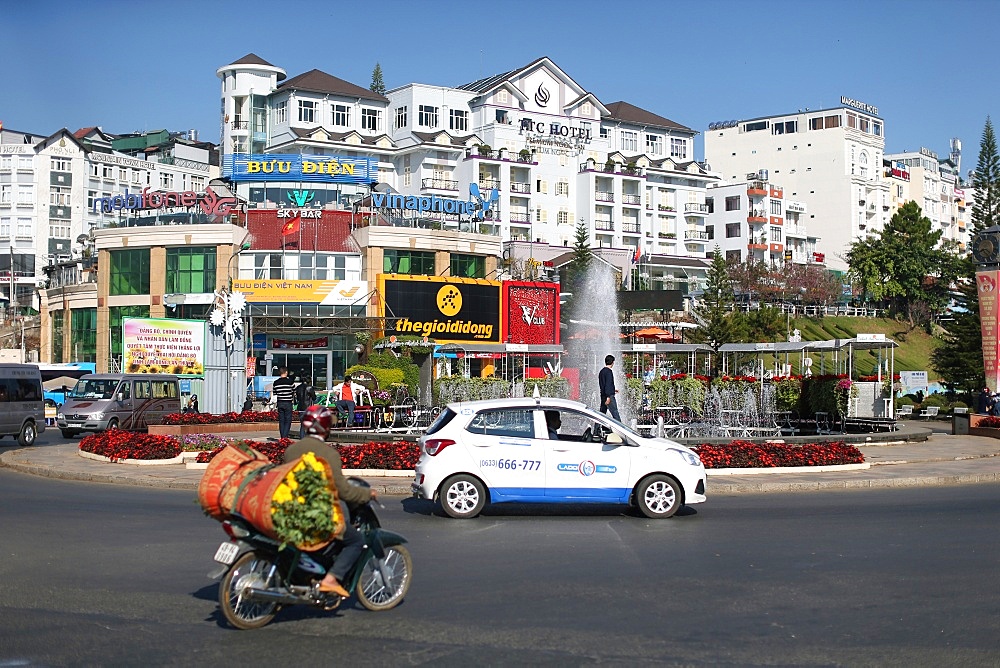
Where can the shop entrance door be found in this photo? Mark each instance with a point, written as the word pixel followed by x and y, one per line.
pixel 313 367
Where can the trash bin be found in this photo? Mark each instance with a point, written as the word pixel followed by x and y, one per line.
pixel 960 423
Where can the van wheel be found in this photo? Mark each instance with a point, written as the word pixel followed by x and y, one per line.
pixel 68 433
pixel 113 424
pixel 28 434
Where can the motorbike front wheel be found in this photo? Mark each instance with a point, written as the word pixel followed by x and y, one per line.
pixel 249 571
pixel 382 585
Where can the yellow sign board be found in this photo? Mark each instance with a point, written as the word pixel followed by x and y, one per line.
pixel 272 291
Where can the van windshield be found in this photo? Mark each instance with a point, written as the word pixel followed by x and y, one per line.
pixel 94 388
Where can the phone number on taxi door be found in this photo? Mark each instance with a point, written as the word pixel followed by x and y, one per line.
pixel 512 464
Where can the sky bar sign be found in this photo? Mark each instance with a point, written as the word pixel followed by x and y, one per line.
pixel 299 168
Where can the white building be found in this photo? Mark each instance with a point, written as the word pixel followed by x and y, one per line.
pixel 52 191
pixel 830 160
pixel 753 220
pixel 551 150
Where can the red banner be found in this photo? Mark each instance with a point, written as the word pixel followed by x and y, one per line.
pixel 531 312
pixel 320 342
pixel 986 284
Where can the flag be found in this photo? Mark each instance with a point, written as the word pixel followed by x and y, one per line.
pixel 636 255
pixel 291 227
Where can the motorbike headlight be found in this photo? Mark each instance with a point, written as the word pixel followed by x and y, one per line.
pixel 97 416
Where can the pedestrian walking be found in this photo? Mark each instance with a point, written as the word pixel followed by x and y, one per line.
pixel 283 392
pixel 984 402
pixel 606 380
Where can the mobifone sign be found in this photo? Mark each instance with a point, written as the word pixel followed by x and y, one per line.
pixel 445 310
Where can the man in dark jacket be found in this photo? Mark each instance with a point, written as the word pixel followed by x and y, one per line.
pixel 305 396
pixel 606 379
pixel 984 402
pixel 317 421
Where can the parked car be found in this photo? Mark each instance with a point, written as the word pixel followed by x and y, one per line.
pixel 118 401
pixel 22 412
pixel 504 450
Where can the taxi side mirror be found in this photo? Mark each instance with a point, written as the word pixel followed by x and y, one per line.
pixel 612 438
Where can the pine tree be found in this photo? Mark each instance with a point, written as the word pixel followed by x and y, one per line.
pixel 378 85
pixel 576 270
pixel 719 323
pixel 986 182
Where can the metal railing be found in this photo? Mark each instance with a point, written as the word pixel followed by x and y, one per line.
pixel 602 196
pixel 604 225
pixel 693 207
pixel 631 199
pixel 439 184
pixel 518 187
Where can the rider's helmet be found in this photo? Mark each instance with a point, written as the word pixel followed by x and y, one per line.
pixel 317 420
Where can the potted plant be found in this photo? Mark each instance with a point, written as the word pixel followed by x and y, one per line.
pixel 609 165
pixel 485 150
pixel 524 154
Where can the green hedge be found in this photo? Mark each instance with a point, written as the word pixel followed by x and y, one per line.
pixel 549 386
pixel 460 388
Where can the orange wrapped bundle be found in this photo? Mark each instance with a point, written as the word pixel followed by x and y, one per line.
pixel 223 477
pixel 294 502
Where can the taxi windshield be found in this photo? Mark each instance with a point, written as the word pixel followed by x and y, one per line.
pixel 94 388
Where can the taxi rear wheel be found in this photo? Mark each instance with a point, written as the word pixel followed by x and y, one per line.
pixel 463 496
pixel 658 496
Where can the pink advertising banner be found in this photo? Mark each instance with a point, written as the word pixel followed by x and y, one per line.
pixel 987 283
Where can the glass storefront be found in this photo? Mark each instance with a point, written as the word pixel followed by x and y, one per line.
pixel 57 336
pixel 83 334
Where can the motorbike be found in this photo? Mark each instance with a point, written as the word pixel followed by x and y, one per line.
pixel 259 577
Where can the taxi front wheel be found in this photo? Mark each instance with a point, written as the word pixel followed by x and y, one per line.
pixel 463 496
pixel 658 496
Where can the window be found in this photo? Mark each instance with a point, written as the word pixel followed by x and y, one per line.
pixel 710 203
pixel 732 230
pixel 322 267
pixel 788 127
pixel 164 390
pixel 775 207
pixel 25 194
pixel 876 128
pixel 25 229
pixel 516 423
pixel 61 165
pixel 58 229
pixel 95 170
pixel 755 126
pixel 733 203
pixel 123 174
pixel 83 334
pixel 864 124
pixel 562 187
pixel 775 235
pixel 654 144
pixel 678 148
pixel 400 117
pixel 630 140
pixel 137 176
pixel 458 120
pixel 408 262
pixel 5 228
pixel 371 119
pixel 281 112
pixel 427 116
pixel 6 163
pixel 108 172
pixel 852 120
pixel 191 269
pixel 59 196
pixel 603 133
pixel 586 109
pixel 863 168
pixel 563 217
pixel 92 197
pixel 341 115
pixel 819 123
pixel 307 111
pixel 541 215
pixel 468 266
pixel 267 266
pixel 167 181
pixel 503 97
pixel 5 194
pixel 57 336
pixel 710 231
pixel 129 272
pixel 25 163
pixel 116 314
pixel 733 256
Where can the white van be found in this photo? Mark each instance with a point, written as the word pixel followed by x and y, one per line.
pixel 118 401
pixel 22 411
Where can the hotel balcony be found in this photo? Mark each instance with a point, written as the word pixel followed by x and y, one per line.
pixel 695 209
pixel 489 184
pixel 604 225
pixel 630 227
pixel 519 217
pixel 240 126
pixel 697 236
pixel 757 217
pixel 438 184
pixel 776 192
pixel 757 189
pixel 604 196
pixel 517 187
pixel 634 200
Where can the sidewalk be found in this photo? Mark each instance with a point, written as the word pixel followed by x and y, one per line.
pixel 942 459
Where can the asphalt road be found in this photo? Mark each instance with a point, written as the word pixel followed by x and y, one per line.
pixel 108 575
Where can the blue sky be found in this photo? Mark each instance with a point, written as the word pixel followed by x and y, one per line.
pixel 930 67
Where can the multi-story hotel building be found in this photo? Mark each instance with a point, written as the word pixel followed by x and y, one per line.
pixel 933 183
pixel 540 151
pixel 828 159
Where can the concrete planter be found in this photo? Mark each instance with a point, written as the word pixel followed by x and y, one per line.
pixel 220 428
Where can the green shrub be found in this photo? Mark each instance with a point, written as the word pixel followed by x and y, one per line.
pixel 549 386
pixel 460 388
pixel 385 377
pixel 904 401
pixel 411 372
pixel 935 399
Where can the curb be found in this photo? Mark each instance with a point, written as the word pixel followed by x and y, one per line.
pixel 723 489
pixel 790 469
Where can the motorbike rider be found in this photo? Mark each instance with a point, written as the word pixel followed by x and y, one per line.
pixel 317 421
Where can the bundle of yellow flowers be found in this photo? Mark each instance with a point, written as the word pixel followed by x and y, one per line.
pixel 304 508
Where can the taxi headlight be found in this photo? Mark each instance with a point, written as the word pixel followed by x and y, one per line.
pixel 689 457
pixel 97 416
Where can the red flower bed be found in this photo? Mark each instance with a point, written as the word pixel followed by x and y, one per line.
pixel 397 456
pixel 219 418
pixel 989 422
pixel 118 444
pixel 743 454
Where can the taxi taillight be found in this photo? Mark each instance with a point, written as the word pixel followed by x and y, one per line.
pixel 435 445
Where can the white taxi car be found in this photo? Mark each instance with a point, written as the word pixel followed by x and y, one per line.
pixel 541 450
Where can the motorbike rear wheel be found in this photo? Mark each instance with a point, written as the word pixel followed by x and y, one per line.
pixel 383 588
pixel 248 571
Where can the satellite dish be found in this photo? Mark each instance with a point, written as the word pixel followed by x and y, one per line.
pixel 82 239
